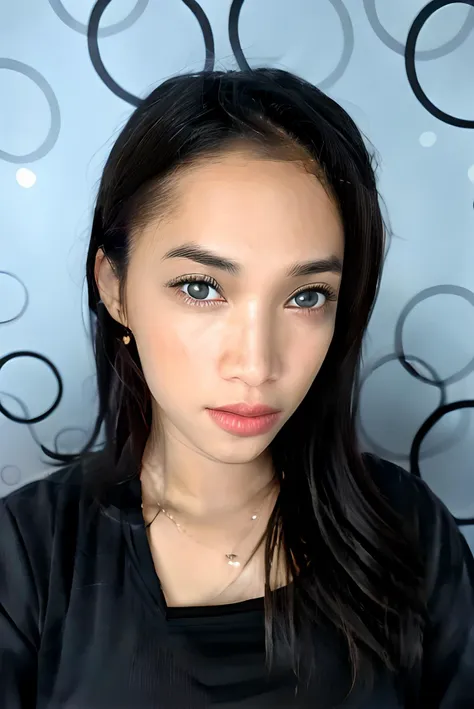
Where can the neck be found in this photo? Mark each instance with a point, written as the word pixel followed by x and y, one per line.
pixel 186 480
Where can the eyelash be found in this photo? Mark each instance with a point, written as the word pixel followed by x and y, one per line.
pixel 328 292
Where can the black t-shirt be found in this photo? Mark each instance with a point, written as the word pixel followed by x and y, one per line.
pixel 84 623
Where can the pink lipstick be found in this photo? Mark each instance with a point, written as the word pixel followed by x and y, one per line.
pixel 245 419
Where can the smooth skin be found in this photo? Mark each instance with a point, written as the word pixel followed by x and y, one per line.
pixel 248 340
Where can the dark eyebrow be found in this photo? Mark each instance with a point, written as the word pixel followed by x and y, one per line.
pixel 332 264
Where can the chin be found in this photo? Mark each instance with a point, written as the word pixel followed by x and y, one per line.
pixel 240 450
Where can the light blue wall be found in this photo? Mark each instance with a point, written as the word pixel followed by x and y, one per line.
pixel 58 119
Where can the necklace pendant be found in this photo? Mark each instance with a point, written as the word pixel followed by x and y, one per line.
pixel 232 560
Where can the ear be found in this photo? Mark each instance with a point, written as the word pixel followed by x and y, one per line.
pixel 109 286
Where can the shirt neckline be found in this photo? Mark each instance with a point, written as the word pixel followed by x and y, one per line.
pixel 123 503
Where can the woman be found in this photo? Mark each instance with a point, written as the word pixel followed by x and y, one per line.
pixel 229 544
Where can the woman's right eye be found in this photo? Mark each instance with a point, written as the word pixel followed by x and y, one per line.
pixel 197 290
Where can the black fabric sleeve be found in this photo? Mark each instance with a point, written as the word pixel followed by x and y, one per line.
pixel 19 617
pixel 448 666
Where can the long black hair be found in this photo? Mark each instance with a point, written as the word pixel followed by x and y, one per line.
pixel 352 562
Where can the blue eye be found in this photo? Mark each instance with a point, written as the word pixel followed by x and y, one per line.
pixel 311 298
pixel 195 290
pixel 198 290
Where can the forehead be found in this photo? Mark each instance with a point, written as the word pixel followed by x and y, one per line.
pixel 251 208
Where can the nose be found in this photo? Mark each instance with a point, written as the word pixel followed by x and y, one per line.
pixel 250 350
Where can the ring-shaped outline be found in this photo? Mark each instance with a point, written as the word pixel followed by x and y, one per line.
pixel 410 66
pixel 53 368
pixel 27 298
pixel 94 53
pixel 336 73
pixel 55 126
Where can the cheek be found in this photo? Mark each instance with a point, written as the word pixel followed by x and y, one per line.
pixel 309 348
pixel 167 357
pixel 165 348
pixel 175 358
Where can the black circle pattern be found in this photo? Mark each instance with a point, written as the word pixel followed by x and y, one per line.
pixel 96 59
pixel 55 371
pixel 370 7
pixel 66 17
pixel 24 306
pixel 410 65
pixel 419 298
pixel 347 47
pixel 407 361
pixel 50 141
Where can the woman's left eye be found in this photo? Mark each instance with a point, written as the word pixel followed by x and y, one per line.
pixel 310 299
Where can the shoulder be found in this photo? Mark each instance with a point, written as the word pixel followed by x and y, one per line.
pixel 405 492
pixel 39 529
pixel 447 676
pixel 40 525
pixel 36 511
pixel 47 489
pixel 448 559
pixel 410 496
pixel 44 496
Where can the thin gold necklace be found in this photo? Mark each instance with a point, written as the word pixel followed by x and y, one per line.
pixel 231 558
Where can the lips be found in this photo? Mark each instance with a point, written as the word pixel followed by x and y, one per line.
pixel 239 425
pixel 250 410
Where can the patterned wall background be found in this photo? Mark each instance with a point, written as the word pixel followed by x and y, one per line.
pixel 71 73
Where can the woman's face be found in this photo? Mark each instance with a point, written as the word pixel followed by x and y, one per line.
pixel 253 332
